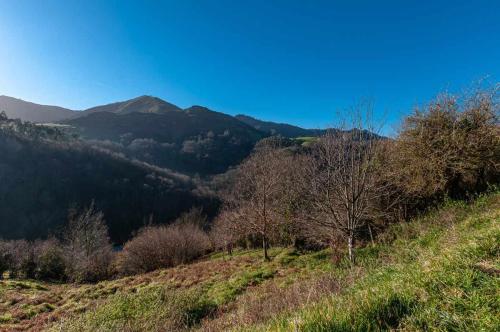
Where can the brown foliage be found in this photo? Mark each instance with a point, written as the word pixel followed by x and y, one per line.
pixel 41 260
pixel 451 147
pixel 157 247
pixel 252 205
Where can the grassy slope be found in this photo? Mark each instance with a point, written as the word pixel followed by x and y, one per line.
pixel 439 272
pixel 441 277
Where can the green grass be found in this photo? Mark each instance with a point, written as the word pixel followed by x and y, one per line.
pixel 433 280
pixel 306 140
pixel 439 272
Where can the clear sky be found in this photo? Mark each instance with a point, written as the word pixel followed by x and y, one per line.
pixel 289 61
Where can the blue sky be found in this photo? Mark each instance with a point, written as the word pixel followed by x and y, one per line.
pixel 290 61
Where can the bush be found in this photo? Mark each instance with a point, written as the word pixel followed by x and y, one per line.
pixel 49 260
pixel 4 255
pixel 157 247
pixel 41 260
pixel 450 148
pixel 20 258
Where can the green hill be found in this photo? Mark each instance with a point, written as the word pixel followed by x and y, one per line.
pixel 438 272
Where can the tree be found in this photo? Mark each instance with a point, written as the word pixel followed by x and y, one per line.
pixel 88 250
pixel 342 183
pixel 223 233
pixel 251 203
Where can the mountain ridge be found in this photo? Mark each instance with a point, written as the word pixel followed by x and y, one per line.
pixel 276 128
pixel 39 113
pixel 33 112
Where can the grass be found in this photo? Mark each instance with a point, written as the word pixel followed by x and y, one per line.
pixel 442 276
pixel 440 272
pixel 306 140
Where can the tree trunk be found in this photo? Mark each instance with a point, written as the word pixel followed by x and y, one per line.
pixel 264 245
pixel 350 240
pixel 371 235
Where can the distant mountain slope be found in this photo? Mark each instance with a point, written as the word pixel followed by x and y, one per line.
pixel 273 128
pixel 195 140
pixel 42 176
pixel 143 104
pixel 27 111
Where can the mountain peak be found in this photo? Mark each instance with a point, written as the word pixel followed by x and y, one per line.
pixel 141 104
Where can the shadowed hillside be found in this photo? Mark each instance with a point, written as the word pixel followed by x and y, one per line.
pixel 195 140
pixel 43 175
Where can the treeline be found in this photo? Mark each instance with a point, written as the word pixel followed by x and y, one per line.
pixel 347 186
pixel 84 253
pixel 44 173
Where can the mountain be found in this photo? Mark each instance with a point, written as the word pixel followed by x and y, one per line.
pixel 44 174
pixel 192 141
pixel 273 128
pixel 143 104
pixel 27 111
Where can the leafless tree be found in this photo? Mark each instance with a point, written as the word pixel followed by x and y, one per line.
pixel 251 203
pixel 341 180
pixel 87 246
pixel 225 233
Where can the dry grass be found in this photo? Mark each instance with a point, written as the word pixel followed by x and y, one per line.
pixel 33 305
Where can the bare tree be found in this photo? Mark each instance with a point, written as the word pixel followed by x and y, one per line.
pixel 251 203
pixel 225 233
pixel 87 246
pixel 341 180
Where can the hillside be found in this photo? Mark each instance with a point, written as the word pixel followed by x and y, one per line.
pixel 44 174
pixel 195 140
pixel 283 129
pixel 27 111
pixel 438 272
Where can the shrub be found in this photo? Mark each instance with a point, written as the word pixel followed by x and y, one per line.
pixel 4 254
pixel 20 258
pixel 157 247
pixel 451 147
pixel 38 260
pixel 49 260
